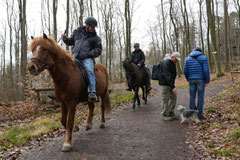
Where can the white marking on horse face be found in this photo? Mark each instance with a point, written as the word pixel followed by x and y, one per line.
pixel 36 51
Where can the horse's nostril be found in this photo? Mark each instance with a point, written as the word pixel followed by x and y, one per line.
pixel 32 68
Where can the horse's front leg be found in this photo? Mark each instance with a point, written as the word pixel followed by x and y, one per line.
pixel 135 97
pixel 138 99
pixel 64 113
pixel 67 146
pixel 143 96
pixel 146 95
pixel 90 116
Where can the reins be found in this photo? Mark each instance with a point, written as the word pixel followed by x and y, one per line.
pixel 45 65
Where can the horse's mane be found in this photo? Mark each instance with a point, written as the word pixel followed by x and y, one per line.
pixel 50 44
pixel 129 66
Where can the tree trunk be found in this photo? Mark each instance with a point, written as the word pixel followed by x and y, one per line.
pixel 55 7
pixel 227 62
pixel 128 28
pixel 200 23
pixel 209 48
pixel 67 22
pixel 164 30
pixel 81 5
pixel 187 26
pixel 22 21
pixel 210 12
pixel 179 72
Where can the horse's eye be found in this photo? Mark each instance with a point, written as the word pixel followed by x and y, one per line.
pixel 43 50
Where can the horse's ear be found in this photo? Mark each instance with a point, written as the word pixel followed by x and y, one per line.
pixel 45 36
pixel 32 37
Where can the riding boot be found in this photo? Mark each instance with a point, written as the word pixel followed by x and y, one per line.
pixel 92 97
pixel 129 88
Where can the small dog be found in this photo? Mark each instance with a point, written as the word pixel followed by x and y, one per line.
pixel 188 114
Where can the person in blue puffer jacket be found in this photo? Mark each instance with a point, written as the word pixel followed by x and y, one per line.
pixel 196 71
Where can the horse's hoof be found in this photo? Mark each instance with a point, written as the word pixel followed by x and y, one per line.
pixel 66 148
pixel 88 128
pixel 102 126
pixel 75 129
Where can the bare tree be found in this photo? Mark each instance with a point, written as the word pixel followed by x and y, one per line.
pixel 128 23
pixel 237 6
pixel 211 16
pixel 200 23
pixel 10 11
pixel 67 21
pixel 226 36
pixel 55 7
pixel 3 41
pixel 23 27
pixel 163 29
pixel 81 5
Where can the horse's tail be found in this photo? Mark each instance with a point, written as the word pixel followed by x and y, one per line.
pixel 107 103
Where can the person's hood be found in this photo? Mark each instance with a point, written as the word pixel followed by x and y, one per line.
pixel 195 54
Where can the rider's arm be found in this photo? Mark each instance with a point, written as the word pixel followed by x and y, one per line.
pixel 70 40
pixel 142 59
pixel 97 49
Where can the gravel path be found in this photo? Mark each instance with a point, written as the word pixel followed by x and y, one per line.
pixel 129 135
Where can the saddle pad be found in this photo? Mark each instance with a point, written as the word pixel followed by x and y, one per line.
pixel 83 73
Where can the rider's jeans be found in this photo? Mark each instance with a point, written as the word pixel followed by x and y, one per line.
pixel 89 65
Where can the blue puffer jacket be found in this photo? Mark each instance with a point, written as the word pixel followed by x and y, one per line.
pixel 194 70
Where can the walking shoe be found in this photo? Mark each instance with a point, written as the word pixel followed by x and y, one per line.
pixel 173 116
pixel 92 97
pixel 201 117
pixel 165 118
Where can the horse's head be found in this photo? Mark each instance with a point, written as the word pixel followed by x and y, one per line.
pixel 127 64
pixel 43 55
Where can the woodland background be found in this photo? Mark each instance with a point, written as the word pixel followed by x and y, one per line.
pixel 214 25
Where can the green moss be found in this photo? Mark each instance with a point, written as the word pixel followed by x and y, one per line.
pixel 222 152
pixel 218 98
pixel 15 136
pixel 212 108
pixel 235 134
pixel 209 145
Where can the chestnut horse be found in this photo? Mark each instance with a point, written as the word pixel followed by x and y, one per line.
pixel 136 80
pixel 69 89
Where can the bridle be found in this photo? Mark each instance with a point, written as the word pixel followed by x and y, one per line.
pixel 45 65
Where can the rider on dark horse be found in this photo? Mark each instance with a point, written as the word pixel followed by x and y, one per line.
pixel 86 46
pixel 138 58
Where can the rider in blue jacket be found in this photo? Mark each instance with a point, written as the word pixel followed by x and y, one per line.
pixel 196 71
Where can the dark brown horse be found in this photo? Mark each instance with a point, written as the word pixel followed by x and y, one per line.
pixel 136 80
pixel 69 89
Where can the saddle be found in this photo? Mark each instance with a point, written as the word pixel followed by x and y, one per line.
pixel 83 73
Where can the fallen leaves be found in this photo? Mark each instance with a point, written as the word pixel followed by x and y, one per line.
pixel 218 137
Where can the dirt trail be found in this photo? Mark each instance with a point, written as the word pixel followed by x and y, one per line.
pixel 129 135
